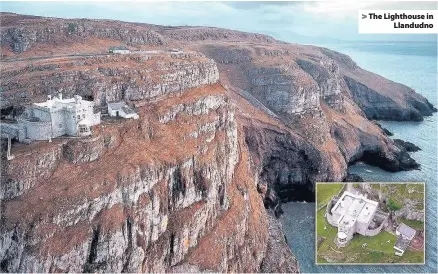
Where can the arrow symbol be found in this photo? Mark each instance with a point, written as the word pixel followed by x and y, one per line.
pixel 364 16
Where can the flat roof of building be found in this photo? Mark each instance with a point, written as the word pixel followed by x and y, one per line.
pixel 358 207
pixel 52 102
pixel 57 102
pixel 347 221
pixel 407 231
pixel 121 106
pixel 118 48
pixel 116 105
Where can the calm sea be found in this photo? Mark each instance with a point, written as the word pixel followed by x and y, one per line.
pixel 415 65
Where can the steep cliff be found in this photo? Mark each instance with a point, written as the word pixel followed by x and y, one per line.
pixel 376 95
pixel 230 124
pixel 21 33
pixel 379 98
pixel 108 78
pixel 313 126
pixel 141 195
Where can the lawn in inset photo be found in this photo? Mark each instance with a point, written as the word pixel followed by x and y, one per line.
pixel 370 223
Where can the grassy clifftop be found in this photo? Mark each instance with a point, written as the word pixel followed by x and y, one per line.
pixel 363 249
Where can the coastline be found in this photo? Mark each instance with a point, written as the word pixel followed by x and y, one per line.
pixel 418 133
pixel 195 173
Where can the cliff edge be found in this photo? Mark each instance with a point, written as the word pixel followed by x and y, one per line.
pixel 231 124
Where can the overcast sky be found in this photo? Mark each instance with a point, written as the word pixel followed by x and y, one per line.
pixel 305 22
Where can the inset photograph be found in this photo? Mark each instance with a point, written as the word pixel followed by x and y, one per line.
pixel 370 223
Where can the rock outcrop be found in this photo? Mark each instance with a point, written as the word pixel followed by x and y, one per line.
pixel 312 128
pixel 138 196
pixel 110 78
pixel 279 258
pixel 230 123
pixel 408 146
pixel 376 97
pixel 21 33
pixel 407 198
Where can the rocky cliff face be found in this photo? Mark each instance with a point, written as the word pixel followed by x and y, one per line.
pixel 138 196
pixel 313 125
pixel 329 79
pixel 110 78
pixel 376 97
pixel 21 33
pixel 407 198
pixel 229 125
pixel 24 33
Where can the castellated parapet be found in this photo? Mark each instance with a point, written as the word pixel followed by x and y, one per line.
pixel 355 213
pixel 53 118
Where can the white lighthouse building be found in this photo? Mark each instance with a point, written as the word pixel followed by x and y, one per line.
pixel 57 117
pixel 355 213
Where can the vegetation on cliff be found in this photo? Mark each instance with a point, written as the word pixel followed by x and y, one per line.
pixel 229 122
pixel 370 249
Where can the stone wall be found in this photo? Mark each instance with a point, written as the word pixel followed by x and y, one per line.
pixel 9 129
pixel 40 113
pixel 374 232
pixel 59 127
pixel 70 123
pixel 35 130
pixel 330 218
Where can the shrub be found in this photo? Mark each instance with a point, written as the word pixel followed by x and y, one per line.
pixel 393 205
pixel 71 27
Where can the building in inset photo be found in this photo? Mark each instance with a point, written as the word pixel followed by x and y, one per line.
pixel 370 223
pixel 354 213
pixel 405 235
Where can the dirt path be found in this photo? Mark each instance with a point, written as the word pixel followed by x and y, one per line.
pixel 52 56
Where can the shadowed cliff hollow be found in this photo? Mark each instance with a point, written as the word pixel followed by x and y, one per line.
pixel 230 124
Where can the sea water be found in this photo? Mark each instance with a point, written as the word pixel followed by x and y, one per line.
pixel 412 64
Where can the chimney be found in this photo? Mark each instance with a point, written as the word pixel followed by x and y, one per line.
pixel 60 96
pixel 50 97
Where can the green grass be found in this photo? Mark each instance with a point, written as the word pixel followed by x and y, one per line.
pixel 375 186
pixel 321 222
pixel 400 192
pixel 413 257
pixel 393 205
pixel 324 192
pixel 378 249
pixel 419 206
pixel 375 256
pixel 72 27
